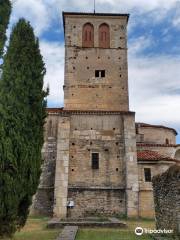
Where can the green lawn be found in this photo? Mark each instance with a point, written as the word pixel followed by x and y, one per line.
pixel 35 229
pixel 116 234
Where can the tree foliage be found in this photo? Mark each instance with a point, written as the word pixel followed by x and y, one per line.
pixel 22 116
pixel 5 11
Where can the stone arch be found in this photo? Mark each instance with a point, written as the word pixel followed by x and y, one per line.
pixel 104 36
pixel 88 35
pixel 177 154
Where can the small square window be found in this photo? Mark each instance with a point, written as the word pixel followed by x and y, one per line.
pixel 95 160
pixel 147 174
pixel 100 73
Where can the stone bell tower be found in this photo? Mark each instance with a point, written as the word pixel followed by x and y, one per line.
pixel 96 164
pixel 96 71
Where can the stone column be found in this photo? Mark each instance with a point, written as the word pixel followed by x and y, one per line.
pixel 62 166
pixel 131 167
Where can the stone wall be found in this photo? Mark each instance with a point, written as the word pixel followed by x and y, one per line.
pixel 96 133
pixel 156 135
pixel 112 135
pixel 146 201
pixel 97 202
pixel 166 188
pixel 43 201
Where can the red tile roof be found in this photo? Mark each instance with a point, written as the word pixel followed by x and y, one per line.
pixel 147 155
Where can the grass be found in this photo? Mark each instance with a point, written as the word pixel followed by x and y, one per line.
pixel 116 234
pixel 35 229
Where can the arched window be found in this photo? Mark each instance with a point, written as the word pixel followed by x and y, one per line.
pixel 167 141
pixel 104 36
pixel 88 35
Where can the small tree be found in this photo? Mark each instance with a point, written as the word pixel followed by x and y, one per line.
pixel 5 11
pixel 22 116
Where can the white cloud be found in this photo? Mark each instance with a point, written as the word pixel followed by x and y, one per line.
pixel 41 13
pixel 35 11
pixel 138 45
pixel 154 87
pixel 53 54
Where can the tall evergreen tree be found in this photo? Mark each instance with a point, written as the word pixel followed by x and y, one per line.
pixel 22 116
pixel 5 11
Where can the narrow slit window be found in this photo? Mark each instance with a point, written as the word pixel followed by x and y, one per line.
pixel 103 73
pixel 95 160
pixel 97 73
pixel 147 174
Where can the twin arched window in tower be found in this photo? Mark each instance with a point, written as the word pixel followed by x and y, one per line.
pixel 103 35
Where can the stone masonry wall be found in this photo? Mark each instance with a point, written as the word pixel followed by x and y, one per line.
pixel 97 202
pixel 102 134
pixel 103 190
pixel 146 200
pixel 166 189
pixel 157 135
pixel 44 199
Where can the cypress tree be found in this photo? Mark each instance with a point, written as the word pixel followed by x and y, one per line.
pixel 5 11
pixel 22 117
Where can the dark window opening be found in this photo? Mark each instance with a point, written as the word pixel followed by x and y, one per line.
pixel 95 160
pixel 137 130
pixel 167 141
pixel 117 169
pixel 103 73
pixel 147 174
pixel 100 73
pixel 96 73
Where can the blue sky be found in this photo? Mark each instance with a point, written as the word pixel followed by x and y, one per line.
pixel 154 51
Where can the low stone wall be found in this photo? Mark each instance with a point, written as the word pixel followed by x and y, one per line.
pixel 166 188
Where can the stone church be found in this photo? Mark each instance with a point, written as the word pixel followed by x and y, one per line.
pixel 97 160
